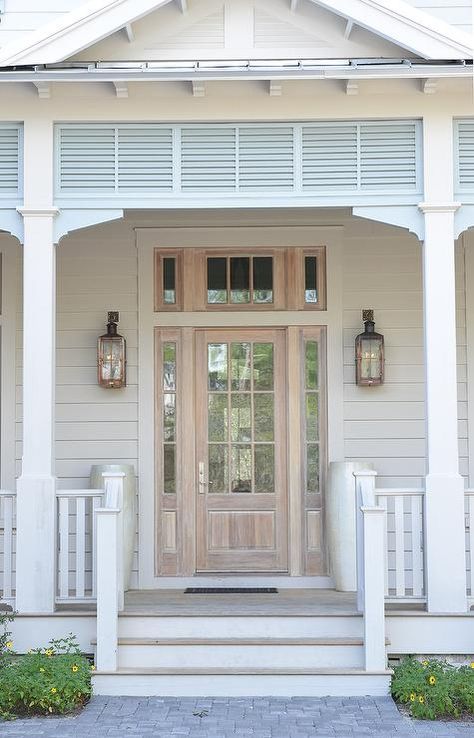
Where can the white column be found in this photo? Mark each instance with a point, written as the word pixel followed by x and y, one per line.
pixel 36 514
pixel 445 568
pixel 107 587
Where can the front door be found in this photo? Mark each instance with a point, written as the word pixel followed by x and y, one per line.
pixel 241 489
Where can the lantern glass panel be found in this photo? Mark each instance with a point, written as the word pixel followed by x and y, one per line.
pixel 371 359
pixel 112 359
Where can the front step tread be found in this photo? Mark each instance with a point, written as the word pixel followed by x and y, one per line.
pixel 239 641
pixel 221 671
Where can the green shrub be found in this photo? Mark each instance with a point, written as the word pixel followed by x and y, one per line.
pixel 52 680
pixel 6 643
pixel 434 688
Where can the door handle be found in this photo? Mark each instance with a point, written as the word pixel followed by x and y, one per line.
pixel 202 478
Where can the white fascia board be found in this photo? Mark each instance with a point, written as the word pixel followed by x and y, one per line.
pixel 406 26
pixel 75 31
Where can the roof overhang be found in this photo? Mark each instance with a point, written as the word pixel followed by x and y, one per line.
pixel 394 20
pixel 290 69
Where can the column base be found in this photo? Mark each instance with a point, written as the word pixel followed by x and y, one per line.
pixel 445 558
pixel 36 544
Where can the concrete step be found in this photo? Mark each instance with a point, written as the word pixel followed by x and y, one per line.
pixel 241 652
pixel 229 626
pixel 239 682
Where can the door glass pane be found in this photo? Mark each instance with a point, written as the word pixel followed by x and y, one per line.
pixel 241 356
pixel 169 280
pixel 312 417
pixel 169 367
pixel 263 366
pixel 218 465
pixel 169 468
pixel 262 279
pixel 241 429
pixel 264 468
pixel 241 469
pixel 240 279
pixel 169 417
pixel 217 280
pixel 311 365
pixel 217 366
pixel 310 279
pixel 217 417
pixel 312 468
pixel 263 417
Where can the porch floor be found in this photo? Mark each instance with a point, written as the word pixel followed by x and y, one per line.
pixel 290 602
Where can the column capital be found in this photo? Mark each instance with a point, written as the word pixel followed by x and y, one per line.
pixel 439 207
pixel 38 212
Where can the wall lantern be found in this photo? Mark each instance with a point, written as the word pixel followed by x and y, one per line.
pixel 112 356
pixel 369 353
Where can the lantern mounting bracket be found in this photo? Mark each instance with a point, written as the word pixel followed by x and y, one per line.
pixel 113 316
pixel 366 315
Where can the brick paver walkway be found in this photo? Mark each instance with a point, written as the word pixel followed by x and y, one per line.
pixel 154 717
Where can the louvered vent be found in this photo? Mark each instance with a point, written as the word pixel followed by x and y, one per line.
pixel 208 159
pixel 266 158
pixel 330 157
pixel 87 159
pixel 465 140
pixel 145 159
pixel 9 160
pixel 387 156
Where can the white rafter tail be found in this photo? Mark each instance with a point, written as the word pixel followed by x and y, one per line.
pixel 43 89
pixel 121 89
pixel 294 5
pixel 429 86
pixel 183 6
pixel 199 88
pixel 129 33
pixel 348 29
pixel 352 87
pixel 275 88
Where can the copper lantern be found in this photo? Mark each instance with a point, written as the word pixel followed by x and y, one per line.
pixel 369 353
pixel 112 356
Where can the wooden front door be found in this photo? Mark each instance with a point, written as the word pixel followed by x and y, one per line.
pixel 241 488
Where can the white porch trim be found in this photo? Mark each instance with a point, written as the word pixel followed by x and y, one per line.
pixel 395 20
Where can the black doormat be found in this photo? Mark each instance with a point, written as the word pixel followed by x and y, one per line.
pixel 230 590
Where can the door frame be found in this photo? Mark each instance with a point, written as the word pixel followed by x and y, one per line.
pixel 228 230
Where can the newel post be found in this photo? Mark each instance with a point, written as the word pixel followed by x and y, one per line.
pixel 113 483
pixel 370 527
pixel 107 587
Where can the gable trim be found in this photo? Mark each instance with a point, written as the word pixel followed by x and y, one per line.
pixel 394 20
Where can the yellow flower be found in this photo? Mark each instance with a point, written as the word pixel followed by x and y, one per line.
pixel 425 663
pixel 421 699
pixel 412 697
pixel 75 668
pixel 41 669
pixel 92 667
pixel 9 644
pixel 53 690
pixel 432 679
pixel 49 652
pixel 472 664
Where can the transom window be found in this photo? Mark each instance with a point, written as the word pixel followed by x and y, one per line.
pixel 218 279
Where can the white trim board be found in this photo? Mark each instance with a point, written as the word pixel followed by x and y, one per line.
pixel 395 20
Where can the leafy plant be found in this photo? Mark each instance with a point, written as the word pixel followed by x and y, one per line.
pixel 52 680
pixel 6 643
pixel 433 688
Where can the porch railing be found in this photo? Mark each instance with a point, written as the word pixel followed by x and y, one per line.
pixel 403 543
pixel 76 576
pixel 469 538
pixel 7 545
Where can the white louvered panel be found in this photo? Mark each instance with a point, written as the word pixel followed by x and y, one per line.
pixel 87 159
pixel 266 158
pixel 465 135
pixel 145 159
pixel 329 155
pixel 9 159
pixel 208 159
pixel 271 32
pixel 388 156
